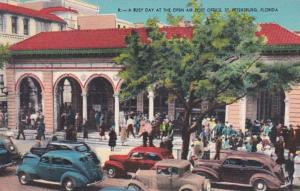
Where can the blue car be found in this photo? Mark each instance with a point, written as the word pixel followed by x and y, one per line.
pixel 70 169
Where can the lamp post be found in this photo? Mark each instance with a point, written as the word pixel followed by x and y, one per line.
pixel 2 87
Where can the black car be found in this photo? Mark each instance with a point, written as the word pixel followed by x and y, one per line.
pixel 67 145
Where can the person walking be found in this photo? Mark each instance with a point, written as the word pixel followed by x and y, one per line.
pixel 112 139
pixel 21 130
pixel 290 168
pixel 143 132
pixel 41 129
pixel 218 146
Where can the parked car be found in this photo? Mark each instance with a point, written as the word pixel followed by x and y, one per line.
pixel 138 158
pixel 244 169
pixel 9 154
pixel 67 145
pixel 169 175
pixel 70 169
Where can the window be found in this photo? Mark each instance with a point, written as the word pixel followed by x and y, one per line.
pixel 42 26
pixel 60 161
pixel 253 163
pixel 137 155
pixel 26 26
pixel 235 162
pixel 152 156
pixel 14 25
pixel 82 148
pixel 45 160
pixel 2 23
pixel 119 26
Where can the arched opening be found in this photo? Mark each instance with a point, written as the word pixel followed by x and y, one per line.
pixel 68 103
pixel 270 105
pixel 100 100
pixel 30 103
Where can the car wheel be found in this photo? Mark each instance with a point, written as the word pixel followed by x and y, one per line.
pixel 134 187
pixel 68 185
pixel 111 172
pixel 207 185
pixel 23 178
pixel 260 185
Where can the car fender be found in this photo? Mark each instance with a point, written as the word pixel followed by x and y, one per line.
pixel 212 173
pixel 188 186
pixel 117 165
pixel 272 182
pixel 80 180
pixel 138 183
pixel 31 172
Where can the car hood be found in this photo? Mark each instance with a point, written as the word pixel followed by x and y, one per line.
pixel 119 158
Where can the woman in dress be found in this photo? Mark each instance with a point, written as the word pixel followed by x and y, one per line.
pixel 123 132
pixel 112 139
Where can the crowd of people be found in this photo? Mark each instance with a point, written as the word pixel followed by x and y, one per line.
pixel 277 141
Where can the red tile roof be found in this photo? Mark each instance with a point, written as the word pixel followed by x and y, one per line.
pixel 114 38
pixel 90 39
pixel 57 9
pixel 277 35
pixel 18 10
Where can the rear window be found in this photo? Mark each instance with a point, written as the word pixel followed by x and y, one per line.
pixel 82 148
pixel 152 156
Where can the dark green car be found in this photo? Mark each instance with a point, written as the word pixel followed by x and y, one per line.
pixel 9 154
pixel 70 169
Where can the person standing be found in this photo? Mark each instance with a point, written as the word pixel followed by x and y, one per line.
pixel 129 125
pixel 290 168
pixel 218 146
pixel 21 130
pixel 112 139
pixel 143 132
pixel 279 151
pixel 41 129
pixel 85 129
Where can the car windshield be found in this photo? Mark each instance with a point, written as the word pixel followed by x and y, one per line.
pixel 82 148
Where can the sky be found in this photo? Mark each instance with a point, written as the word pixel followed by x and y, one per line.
pixel 283 12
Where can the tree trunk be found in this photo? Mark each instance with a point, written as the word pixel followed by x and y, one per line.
pixel 185 134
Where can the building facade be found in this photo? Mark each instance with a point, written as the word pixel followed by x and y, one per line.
pixel 57 71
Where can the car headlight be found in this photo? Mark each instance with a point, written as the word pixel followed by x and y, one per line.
pixel 11 148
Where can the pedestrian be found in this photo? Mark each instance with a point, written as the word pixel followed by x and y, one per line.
pixel 85 129
pixel 21 130
pixel 198 148
pixel 164 128
pixel 129 124
pixel 112 138
pixel 78 122
pixel 143 133
pixel 290 168
pixel 41 129
pixel 102 132
pixel 279 151
pixel 137 124
pixel 225 143
pixel 218 146
pixel 296 167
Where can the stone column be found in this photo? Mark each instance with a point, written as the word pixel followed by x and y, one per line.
pixel 286 111
pixel 140 102
pixel 151 105
pixel 84 105
pixel 171 108
pixel 117 112
pixel 243 113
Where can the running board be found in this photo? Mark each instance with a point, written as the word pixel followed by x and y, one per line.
pixel 231 183
pixel 46 182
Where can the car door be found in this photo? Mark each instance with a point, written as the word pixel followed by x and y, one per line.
pixel 60 166
pixel 164 178
pixel 232 170
pixel 251 168
pixel 134 161
pixel 44 169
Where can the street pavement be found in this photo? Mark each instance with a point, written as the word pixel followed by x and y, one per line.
pixel 9 181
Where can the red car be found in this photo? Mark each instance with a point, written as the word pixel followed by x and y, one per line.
pixel 142 158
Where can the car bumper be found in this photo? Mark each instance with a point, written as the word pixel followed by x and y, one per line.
pixel 7 165
pixel 286 184
pixel 94 183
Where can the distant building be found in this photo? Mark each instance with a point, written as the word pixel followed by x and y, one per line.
pixel 103 21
